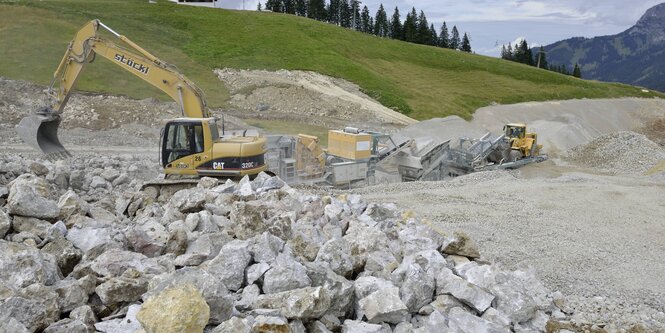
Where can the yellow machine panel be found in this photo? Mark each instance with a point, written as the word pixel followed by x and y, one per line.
pixel 349 145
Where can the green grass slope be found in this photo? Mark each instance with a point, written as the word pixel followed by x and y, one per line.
pixel 420 81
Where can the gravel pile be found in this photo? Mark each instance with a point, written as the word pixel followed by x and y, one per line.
pixel 307 97
pixel 91 253
pixel 619 153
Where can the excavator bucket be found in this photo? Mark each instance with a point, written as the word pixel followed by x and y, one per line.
pixel 41 133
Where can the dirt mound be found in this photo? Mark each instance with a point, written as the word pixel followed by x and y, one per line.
pixel 619 153
pixel 306 96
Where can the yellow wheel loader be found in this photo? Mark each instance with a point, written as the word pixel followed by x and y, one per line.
pixel 522 144
pixel 191 145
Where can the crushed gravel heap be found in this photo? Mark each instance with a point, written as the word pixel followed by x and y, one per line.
pixel 619 153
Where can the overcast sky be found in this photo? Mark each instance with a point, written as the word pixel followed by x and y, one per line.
pixel 492 23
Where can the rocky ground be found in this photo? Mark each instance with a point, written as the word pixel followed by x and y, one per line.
pixel 589 225
pixel 85 248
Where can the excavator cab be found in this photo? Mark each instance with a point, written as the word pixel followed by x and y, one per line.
pixel 185 139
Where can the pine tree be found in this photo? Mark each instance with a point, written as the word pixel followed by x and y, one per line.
pixel 396 31
pixel 523 53
pixel 316 9
pixel 411 26
pixel 509 52
pixel 444 38
pixel 466 44
pixel 423 29
pixel 301 8
pixel 433 36
pixel 271 5
pixel 334 9
pixel 366 23
pixel 504 52
pixel 258 7
pixel 577 72
pixel 345 14
pixel 289 6
pixel 455 41
pixel 381 22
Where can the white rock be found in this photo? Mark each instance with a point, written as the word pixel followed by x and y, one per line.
pixel 234 325
pixel 28 196
pixel 285 274
pixel 384 306
pixel 5 223
pixel 354 326
pixel 337 254
pixel 462 321
pixel 472 295
pixel 129 324
pixel 306 303
pixel 230 264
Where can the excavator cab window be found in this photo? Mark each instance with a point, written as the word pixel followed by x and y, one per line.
pixel 180 140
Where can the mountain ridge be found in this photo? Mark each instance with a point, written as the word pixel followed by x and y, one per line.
pixel 633 56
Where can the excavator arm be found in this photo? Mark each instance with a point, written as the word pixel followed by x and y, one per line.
pixel 40 129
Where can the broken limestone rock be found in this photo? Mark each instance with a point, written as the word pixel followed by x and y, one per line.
pixel 285 274
pixel 354 326
pixel 230 264
pixel 5 223
pixel 28 196
pixel 214 291
pixel 122 289
pixel 337 253
pixel 22 265
pixel 340 290
pixel 67 325
pixel 11 325
pixel 384 306
pixel 270 324
pixel 477 298
pixel 460 244
pixel 31 225
pixel 462 321
pixel 188 200
pixel 306 303
pixel 66 254
pixel 234 325
pixel 129 324
pixel 35 307
pixel 177 309
pixel 115 262
pixel 69 204
pixel 71 294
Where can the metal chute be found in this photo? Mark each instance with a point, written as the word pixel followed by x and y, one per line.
pixel 40 131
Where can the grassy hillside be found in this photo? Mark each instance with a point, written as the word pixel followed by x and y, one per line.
pixel 420 81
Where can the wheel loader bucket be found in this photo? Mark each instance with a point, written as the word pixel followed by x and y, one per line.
pixel 41 133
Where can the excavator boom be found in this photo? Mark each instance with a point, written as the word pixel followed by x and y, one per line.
pixel 40 130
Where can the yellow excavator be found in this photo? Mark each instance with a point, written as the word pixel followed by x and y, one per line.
pixel 190 145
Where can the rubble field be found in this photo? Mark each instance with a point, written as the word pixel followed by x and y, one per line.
pixel 84 250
